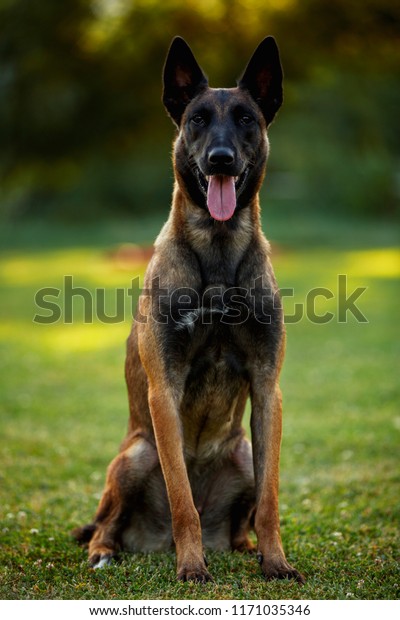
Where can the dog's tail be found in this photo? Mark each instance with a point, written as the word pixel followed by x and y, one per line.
pixel 84 534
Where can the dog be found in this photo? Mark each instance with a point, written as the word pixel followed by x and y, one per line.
pixel 208 334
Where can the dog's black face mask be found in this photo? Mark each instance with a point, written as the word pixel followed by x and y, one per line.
pixel 222 145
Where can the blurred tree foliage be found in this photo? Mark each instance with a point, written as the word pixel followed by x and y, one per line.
pixel 83 131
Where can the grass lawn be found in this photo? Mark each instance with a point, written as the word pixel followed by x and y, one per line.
pixel 63 412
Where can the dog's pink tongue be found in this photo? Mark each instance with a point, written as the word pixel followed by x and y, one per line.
pixel 221 197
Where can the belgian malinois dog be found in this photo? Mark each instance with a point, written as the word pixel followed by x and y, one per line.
pixel 208 334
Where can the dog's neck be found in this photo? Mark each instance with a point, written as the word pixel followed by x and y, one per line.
pixel 203 233
pixel 218 246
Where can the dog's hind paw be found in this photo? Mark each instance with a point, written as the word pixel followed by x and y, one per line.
pixel 100 560
pixel 243 545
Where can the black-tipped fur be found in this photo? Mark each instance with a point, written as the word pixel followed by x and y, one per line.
pixel 263 78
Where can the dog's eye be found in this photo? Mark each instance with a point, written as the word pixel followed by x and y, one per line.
pixel 246 119
pixel 198 120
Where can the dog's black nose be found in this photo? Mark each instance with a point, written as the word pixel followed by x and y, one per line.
pixel 221 155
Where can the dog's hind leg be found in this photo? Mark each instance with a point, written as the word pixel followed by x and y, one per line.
pixel 225 496
pixel 242 511
pixel 126 477
pixel 242 521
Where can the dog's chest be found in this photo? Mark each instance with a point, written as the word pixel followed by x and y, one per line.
pixel 215 345
pixel 214 337
pixel 216 376
pixel 222 326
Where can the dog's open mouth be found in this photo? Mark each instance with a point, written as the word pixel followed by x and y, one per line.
pixel 221 192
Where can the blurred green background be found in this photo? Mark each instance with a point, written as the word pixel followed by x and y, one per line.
pixel 83 133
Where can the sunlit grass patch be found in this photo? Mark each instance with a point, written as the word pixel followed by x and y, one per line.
pixel 36 295
pixel 95 266
pixel 376 263
pixel 63 413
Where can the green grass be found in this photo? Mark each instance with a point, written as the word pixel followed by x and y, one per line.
pixel 63 413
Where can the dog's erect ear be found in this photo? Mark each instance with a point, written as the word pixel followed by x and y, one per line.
pixel 263 78
pixel 183 79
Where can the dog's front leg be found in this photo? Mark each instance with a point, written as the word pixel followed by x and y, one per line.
pixel 185 519
pixel 266 428
pixel 164 402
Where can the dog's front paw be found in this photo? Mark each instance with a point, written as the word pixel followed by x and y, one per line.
pixel 197 573
pixel 279 568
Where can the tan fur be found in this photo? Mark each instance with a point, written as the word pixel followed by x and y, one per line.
pixel 185 474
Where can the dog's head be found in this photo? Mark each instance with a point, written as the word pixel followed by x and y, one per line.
pixel 222 147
